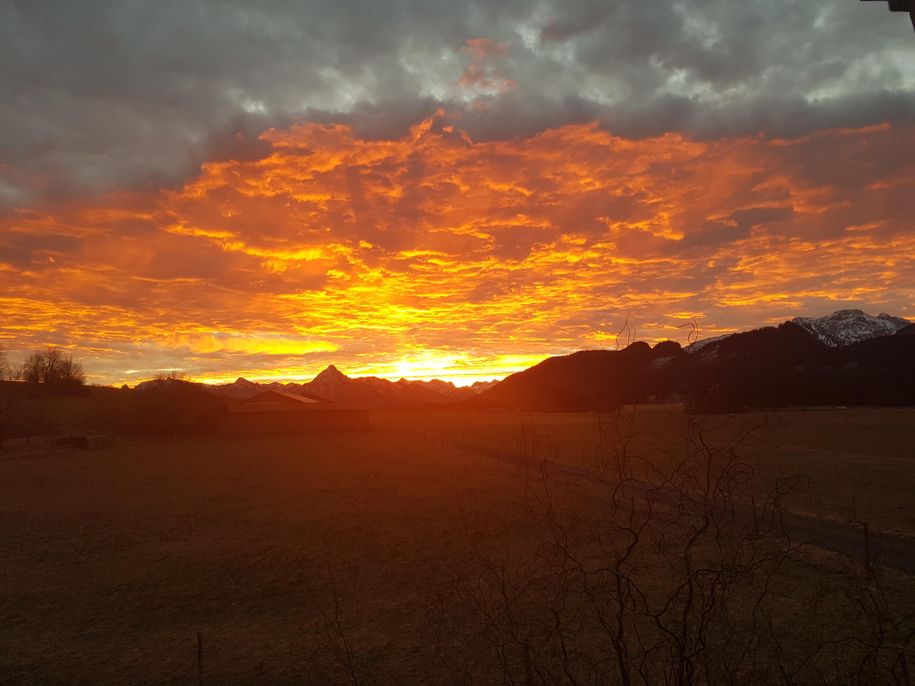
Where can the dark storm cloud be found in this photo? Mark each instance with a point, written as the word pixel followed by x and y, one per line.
pixel 99 95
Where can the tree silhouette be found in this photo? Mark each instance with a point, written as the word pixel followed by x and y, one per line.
pixel 5 371
pixel 51 366
pixel 660 569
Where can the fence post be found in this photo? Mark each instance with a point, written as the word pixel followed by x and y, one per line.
pixel 199 659
pixel 867 545
pixel 528 666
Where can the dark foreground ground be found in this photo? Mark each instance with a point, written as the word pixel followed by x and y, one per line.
pixel 300 558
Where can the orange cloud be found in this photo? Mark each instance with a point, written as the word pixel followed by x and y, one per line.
pixel 482 77
pixel 436 255
pixel 481 48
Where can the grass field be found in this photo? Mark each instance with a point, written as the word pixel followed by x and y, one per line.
pixel 113 559
pixel 855 462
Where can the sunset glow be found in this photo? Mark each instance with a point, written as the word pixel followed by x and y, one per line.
pixel 436 256
pixel 460 197
pixel 436 342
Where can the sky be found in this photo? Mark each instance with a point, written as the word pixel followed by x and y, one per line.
pixel 431 188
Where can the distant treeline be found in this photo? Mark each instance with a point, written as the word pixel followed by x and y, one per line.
pixel 766 368
pixel 171 407
pixel 45 395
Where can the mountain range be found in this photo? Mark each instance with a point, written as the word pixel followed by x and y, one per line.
pixel 361 392
pixel 847 327
pixel 841 328
pixel 847 357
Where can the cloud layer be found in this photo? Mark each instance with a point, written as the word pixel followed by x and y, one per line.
pixel 102 95
pixel 434 253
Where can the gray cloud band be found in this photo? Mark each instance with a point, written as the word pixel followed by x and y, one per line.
pixel 102 94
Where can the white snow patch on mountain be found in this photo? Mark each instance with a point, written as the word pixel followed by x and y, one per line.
pixel 701 343
pixel 846 327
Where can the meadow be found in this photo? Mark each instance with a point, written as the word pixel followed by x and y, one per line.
pixel 317 559
pixel 851 464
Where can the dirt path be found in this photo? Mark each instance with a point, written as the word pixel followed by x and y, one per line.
pixel 890 550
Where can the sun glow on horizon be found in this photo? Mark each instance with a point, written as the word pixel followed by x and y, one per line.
pixel 436 256
pixel 459 370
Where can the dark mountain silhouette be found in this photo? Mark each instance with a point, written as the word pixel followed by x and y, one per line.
pixel 240 389
pixel 756 368
pixel 845 358
pixel 789 365
pixel 370 391
pixel 769 367
pixel 846 327
pixel 361 392
pixel 838 329
pixel 588 380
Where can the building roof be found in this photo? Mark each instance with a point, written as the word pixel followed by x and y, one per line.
pixel 901 6
pixel 279 401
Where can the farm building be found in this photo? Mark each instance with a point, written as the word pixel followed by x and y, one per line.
pixel 274 412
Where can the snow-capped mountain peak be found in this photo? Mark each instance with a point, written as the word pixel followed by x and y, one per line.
pixel 846 327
